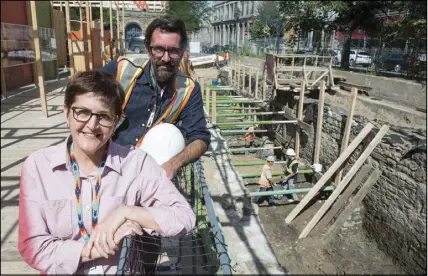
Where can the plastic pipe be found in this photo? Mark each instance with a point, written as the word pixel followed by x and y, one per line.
pixel 255 123
pixel 287 192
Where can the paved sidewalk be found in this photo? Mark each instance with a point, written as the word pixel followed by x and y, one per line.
pixel 24 129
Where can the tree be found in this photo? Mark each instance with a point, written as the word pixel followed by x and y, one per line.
pixel 195 14
pixel 265 11
pixel 75 15
pixel 365 15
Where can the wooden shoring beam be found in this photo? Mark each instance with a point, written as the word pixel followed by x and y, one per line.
pixel 342 158
pixel 353 204
pixel 119 39
pixel 69 39
pixel 339 188
pixel 39 62
pixel 319 124
pixel 89 36
pixel 102 33
pixel 123 29
pixel 338 204
pixel 299 119
pixel 347 130
pixel 111 20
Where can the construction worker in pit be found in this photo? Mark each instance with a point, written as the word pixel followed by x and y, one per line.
pixel 110 51
pixel 158 92
pixel 226 57
pixel 217 61
pixel 289 180
pixel 266 183
pixel 249 138
pixel 186 66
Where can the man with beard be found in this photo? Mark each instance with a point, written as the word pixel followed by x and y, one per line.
pixel 160 89
pixel 156 92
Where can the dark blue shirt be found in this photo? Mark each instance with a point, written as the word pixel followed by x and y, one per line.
pixel 191 121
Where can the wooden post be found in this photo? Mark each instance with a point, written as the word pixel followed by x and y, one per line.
pixel 316 61
pixel 256 93
pixel 102 33
pixel 299 119
pixel 249 80
pixel 319 123
pixel 89 36
pixel 69 39
pixel 207 100
pixel 234 74
pixel 90 14
pixel 111 20
pixel 202 84
pixel 123 29
pixel 3 84
pixel 119 40
pixel 338 204
pixel 347 131
pixel 81 18
pixel 344 156
pixel 39 63
pixel 214 108
pixel 264 83
pixel 327 204
pixel 238 79
pixel 60 5
pixel 243 78
pixel 356 200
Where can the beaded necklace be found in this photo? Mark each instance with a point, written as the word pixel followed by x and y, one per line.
pixel 77 191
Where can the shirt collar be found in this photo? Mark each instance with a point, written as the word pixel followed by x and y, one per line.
pixel 145 77
pixel 63 157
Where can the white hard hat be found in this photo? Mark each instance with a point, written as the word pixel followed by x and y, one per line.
pixel 290 152
pixel 270 159
pixel 162 142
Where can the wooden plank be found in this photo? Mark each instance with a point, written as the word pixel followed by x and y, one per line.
pixel 69 39
pixel 207 100
pixel 249 80
pixel 111 20
pixel 256 92
pixel 358 198
pixel 89 36
pixel 347 131
pixel 123 29
pixel 243 78
pixel 342 158
pixel 319 124
pixel 3 84
pixel 319 78
pixel 39 63
pixel 275 83
pixel 81 18
pixel 214 108
pixel 356 181
pixel 299 119
pixel 102 33
pixel 339 188
pixel 264 84
pixel 118 28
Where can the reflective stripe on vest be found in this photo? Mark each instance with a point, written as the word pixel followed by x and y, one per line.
pixel 263 179
pixel 290 167
pixel 127 75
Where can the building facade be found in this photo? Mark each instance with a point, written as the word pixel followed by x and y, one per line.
pixel 231 21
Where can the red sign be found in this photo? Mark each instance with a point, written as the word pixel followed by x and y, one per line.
pixel 245 32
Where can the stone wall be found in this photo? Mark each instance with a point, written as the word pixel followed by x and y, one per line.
pixel 394 211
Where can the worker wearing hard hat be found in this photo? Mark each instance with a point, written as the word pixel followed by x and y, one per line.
pixel 290 174
pixel 226 57
pixel 249 138
pixel 265 182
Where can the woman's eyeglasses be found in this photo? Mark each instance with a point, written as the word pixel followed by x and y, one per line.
pixel 83 115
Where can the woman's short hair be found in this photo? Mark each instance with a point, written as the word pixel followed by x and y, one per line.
pixel 168 24
pixel 99 83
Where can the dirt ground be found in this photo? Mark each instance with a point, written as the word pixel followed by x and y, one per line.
pixel 349 252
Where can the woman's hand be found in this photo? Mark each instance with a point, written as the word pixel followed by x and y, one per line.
pixel 102 238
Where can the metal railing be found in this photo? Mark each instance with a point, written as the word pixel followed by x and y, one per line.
pixel 203 251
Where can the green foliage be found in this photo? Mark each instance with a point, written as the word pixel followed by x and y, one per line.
pixel 245 51
pixel 75 15
pixel 195 14
pixel 267 10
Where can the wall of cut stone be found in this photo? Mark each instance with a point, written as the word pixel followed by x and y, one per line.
pixel 394 211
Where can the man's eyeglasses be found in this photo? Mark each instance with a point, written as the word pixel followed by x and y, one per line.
pixel 83 115
pixel 158 52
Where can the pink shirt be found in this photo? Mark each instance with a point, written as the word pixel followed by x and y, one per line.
pixel 49 238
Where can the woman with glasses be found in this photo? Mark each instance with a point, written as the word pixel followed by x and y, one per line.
pixel 79 199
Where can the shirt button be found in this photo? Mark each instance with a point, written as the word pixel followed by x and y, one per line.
pixel 136 139
pixel 87 208
pixel 142 124
pixel 148 109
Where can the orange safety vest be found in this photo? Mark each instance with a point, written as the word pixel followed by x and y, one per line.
pixel 263 181
pixel 226 56
pixel 127 75
pixel 249 136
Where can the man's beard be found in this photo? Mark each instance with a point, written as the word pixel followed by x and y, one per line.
pixel 166 72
